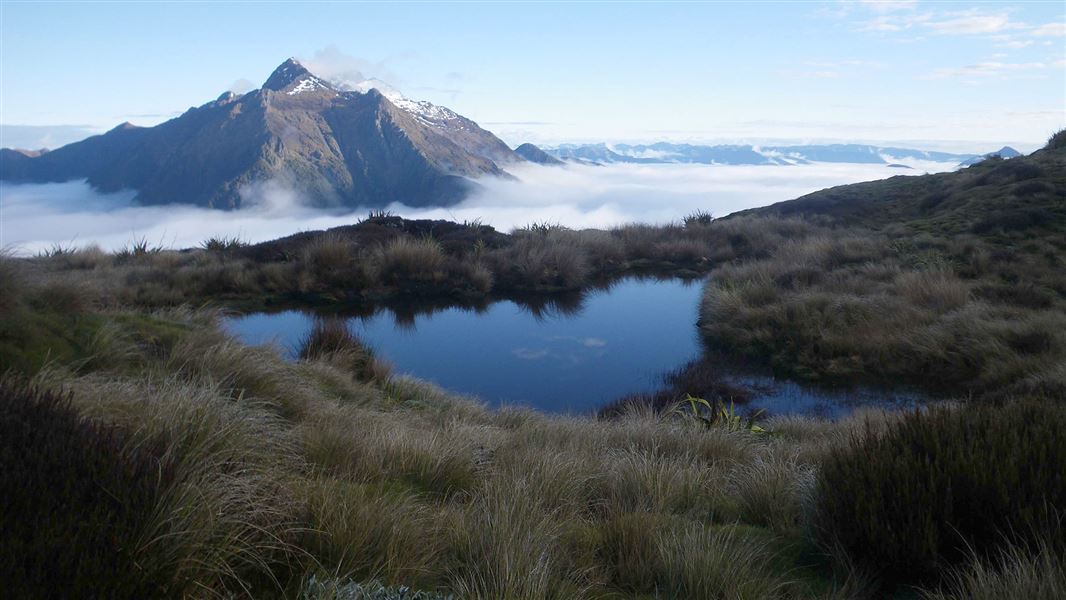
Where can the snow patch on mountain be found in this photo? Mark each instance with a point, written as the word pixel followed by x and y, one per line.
pixel 307 85
pixel 426 112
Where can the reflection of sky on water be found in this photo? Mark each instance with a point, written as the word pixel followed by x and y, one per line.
pixel 617 342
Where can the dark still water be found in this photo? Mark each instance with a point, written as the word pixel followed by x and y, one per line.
pixel 615 342
pixel 573 357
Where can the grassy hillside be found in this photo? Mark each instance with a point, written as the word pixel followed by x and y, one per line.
pixel 232 472
pixel 1001 200
pixel 954 282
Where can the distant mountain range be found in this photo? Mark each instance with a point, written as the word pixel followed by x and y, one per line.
pixel 335 147
pixel 357 144
pixel 664 152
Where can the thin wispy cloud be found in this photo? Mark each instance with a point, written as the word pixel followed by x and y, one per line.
pixel 1050 30
pixel 971 22
pixel 990 69
pixel 342 68
pixel 891 17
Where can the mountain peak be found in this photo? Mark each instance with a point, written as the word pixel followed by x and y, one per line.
pixel 285 75
pixel 1007 152
pixel 534 154
pixel 125 125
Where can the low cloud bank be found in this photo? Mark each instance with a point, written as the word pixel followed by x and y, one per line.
pixel 36 217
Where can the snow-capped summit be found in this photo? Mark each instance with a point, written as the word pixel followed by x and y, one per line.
pixel 458 128
pixel 426 112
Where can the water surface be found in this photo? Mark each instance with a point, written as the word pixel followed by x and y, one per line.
pixel 572 356
pixel 617 341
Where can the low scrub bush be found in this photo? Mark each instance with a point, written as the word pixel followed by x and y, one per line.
pixel 918 498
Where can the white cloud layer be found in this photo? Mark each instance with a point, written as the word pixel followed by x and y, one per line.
pixel 34 217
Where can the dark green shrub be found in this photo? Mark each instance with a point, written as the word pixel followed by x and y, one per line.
pixel 1014 220
pixel 942 484
pixel 74 500
pixel 1017 169
pixel 933 200
pixel 1032 188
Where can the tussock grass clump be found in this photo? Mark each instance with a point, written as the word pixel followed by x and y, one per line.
pixel 366 533
pixel 637 481
pixel 406 259
pixel 333 341
pixel 511 540
pixel 698 218
pixel 719 562
pixel 332 588
pixel 223 243
pixel 771 490
pixel 915 500
pixel 87 258
pixel 1037 574
pixel 77 502
pixel 939 290
pixel 329 261
pixel 225 518
pixel 629 548
pixel 434 461
pixel 551 259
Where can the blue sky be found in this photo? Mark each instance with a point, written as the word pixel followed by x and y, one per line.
pixel 950 75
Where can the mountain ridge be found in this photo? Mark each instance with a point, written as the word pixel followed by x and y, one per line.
pixel 751 154
pixel 334 147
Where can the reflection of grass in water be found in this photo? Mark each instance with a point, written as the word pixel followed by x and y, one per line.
pixel 782 396
pixel 716 377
